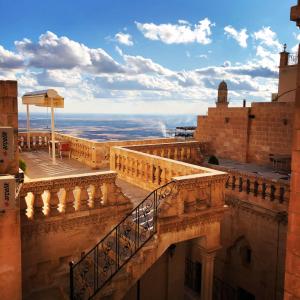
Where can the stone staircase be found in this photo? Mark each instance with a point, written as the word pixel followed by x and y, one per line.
pixel 123 255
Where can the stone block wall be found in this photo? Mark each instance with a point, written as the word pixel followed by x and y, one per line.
pixel 10 242
pixel 248 134
pixel 226 129
pixel 270 131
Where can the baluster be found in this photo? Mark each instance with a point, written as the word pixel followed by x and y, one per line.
pixel 54 201
pixel 272 192
pixel 281 194
pixel 34 141
pixel 77 198
pixel 169 153
pixel 22 142
pixel 62 193
pixel 255 189
pixel 40 141
pixel 175 153
pixel 241 182
pixel 98 196
pixel 91 194
pixel 46 196
pixel 147 172
pixel 29 199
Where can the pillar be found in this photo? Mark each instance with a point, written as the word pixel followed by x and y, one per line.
pixel 207 260
pixel 284 59
pixel 10 238
pixel 292 267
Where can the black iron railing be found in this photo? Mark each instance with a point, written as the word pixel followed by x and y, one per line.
pixel 91 273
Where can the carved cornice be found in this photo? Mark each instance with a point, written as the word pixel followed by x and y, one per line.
pixel 30 228
pixel 176 224
pixel 257 210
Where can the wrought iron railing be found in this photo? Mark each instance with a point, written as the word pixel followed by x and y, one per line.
pixel 293 59
pixel 97 267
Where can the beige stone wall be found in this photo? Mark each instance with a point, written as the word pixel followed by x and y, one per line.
pixel 226 129
pixel 270 132
pixel 49 245
pixel 10 242
pixel 165 279
pixel 248 134
pixel 254 227
pixel 287 82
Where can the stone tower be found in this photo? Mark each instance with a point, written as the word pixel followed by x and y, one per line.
pixel 222 95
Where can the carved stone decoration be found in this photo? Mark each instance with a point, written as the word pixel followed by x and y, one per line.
pixel 62 193
pixel 46 196
pixel 91 194
pixel 29 202
pixel 77 194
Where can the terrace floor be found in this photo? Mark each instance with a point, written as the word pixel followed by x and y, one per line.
pixel 264 171
pixel 39 165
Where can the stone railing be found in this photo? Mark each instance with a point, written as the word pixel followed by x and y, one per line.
pixel 97 154
pixel 47 197
pixel 190 152
pixel 38 140
pixel 262 189
pixel 258 186
pixel 150 171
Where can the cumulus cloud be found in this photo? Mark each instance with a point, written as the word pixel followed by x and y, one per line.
pixel 10 60
pixel 53 52
pixel 240 36
pixel 124 39
pixel 267 37
pixel 141 65
pixel 82 74
pixel 181 33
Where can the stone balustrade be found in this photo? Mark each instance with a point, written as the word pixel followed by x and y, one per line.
pixel 197 186
pixel 190 152
pixel 38 140
pixel 47 197
pixel 97 154
pixel 258 186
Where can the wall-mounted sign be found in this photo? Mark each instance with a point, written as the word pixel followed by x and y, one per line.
pixel 6 147
pixel 7 192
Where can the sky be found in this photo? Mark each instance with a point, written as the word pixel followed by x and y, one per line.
pixel 142 56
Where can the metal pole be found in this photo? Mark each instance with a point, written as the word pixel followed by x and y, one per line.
pixel 52 133
pixel 28 126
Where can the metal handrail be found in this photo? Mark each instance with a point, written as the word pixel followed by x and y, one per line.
pixel 98 266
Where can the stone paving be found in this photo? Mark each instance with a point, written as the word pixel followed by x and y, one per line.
pixel 39 165
pixel 265 171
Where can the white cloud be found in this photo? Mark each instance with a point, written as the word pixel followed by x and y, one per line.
pixel 181 33
pixel 53 52
pixel 240 36
pixel 100 82
pixel 10 60
pixel 124 39
pixel 267 37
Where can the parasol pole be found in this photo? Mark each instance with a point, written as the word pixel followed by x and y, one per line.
pixel 52 133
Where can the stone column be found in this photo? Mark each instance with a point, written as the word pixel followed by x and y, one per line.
pixel 10 241
pixel 208 259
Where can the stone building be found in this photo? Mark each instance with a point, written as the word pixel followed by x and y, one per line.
pixel 152 219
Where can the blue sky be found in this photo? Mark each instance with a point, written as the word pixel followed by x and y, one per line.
pixel 145 56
